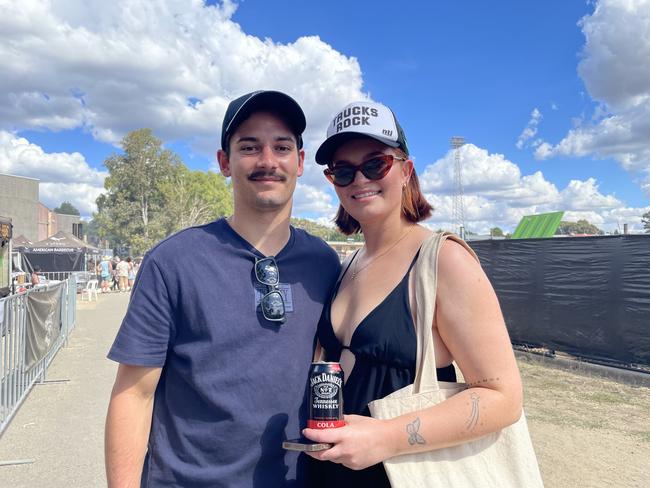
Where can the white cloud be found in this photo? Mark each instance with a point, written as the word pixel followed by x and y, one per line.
pixel 480 170
pixel 612 220
pixel 488 175
pixel 614 65
pixel 530 130
pixel 171 65
pixel 616 72
pixel 313 201
pixel 20 157
pixel 583 195
pixel 497 194
pixel 81 195
pixel 63 176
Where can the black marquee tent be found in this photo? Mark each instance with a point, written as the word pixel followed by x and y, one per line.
pixel 60 252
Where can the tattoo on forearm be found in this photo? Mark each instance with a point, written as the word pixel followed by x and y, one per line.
pixel 473 416
pixel 484 380
pixel 414 436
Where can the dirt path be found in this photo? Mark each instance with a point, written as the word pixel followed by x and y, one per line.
pixel 587 431
pixel 60 427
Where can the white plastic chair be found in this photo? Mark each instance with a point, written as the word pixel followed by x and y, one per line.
pixel 90 290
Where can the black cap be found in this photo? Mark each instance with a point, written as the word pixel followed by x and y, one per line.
pixel 240 109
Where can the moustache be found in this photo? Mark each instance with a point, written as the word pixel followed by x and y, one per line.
pixel 264 175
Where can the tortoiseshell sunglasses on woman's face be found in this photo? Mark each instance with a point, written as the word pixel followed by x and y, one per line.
pixel 375 168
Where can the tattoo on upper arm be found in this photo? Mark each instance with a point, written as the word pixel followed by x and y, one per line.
pixel 484 380
pixel 473 416
pixel 414 436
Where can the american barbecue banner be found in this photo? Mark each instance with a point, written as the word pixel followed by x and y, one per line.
pixel 43 323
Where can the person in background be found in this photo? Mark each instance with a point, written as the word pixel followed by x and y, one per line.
pixel 217 342
pixel 105 271
pixel 123 269
pixel 35 279
pixel 131 275
pixel 115 280
pixel 368 323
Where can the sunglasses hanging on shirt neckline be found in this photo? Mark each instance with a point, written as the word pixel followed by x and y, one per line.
pixel 375 168
pixel 272 303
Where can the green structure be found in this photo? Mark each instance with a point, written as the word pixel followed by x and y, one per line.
pixel 541 225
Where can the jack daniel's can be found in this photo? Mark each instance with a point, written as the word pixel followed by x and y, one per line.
pixel 325 396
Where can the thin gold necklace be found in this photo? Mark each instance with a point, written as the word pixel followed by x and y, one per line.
pixel 356 271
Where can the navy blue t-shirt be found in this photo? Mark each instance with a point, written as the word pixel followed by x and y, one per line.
pixel 233 385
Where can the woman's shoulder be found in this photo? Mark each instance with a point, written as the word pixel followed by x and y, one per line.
pixel 458 267
pixel 456 252
pixel 451 247
pixel 457 248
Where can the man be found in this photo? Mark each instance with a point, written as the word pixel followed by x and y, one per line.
pixel 215 347
pixel 122 269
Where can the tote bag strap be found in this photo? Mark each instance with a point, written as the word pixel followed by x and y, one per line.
pixel 426 287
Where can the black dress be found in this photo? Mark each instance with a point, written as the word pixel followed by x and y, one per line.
pixel 384 345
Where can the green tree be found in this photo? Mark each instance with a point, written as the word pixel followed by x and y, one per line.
pixel 131 212
pixel 323 231
pixel 194 198
pixel 645 219
pixel 496 232
pixel 91 230
pixel 66 208
pixel 579 227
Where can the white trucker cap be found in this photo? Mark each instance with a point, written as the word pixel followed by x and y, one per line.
pixel 366 119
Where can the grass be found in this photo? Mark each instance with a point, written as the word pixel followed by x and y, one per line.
pixel 577 399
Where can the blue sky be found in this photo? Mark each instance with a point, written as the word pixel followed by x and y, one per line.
pixel 551 96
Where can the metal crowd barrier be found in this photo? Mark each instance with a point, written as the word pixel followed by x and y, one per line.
pixel 81 277
pixel 15 380
pixel 56 275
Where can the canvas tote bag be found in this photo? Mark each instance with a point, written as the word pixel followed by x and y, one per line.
pixel 502 459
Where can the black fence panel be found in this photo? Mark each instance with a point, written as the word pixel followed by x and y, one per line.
pixel 587 296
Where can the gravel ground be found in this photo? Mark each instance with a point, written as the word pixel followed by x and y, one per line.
pixel 588 431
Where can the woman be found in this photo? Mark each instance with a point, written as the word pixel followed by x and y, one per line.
pixel 105 270
pixel 131 272
pixel 368 324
